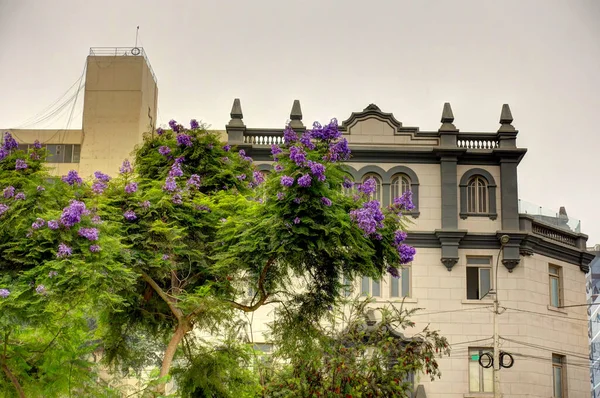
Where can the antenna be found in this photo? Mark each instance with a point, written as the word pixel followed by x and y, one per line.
pixel 137 31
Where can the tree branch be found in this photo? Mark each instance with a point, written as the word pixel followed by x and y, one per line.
pixel 14 381
pixel 170 301
pixel 264 295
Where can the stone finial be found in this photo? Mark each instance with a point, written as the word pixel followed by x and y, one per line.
pixel 236 114
pixel 562 212
pixel 447 119
pixel 296 116
pixel 506 119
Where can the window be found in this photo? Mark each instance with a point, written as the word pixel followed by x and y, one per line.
pixel 555 285
pixel 347 287
pixel 400 184
pixel 480 378
pixel 479 277
pixel 377 194
pixel 400 287
pixel 370 287
pixel 558 376
pixel 58 153
pixel 477 195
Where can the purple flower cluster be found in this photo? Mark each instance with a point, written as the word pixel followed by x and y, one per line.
pixel 227 148
pixel 347 183
pixel 393 271
pixel 71 214
pixel 164 150
pixel 317 169
pixel 326 133
pixel 40 188
pixel 170 185
pixel 38 223
pixel 287 181
pixel 297 201
pixel 100 176
pixel 259 177
pixel 180 160
pixel 145 204
pixel 297 155
pixel 126 167
pixel 40 289
pixel 399 237
pixel 407 253
pixel 280 195
pixel 20 164
pixel 202 208
pixel 131 187
pixel 64 251
pixel 88 233
pixel 130 215
pixel 165 257
pixel 72 178
pixel 194 181
pixel 289 135
pixel 160 131
pixel 96 219
pixel 37 145
pixel 326 201
pixel 4 293
pixel 339 151
pixel 176 170
pixel 177 199
pixel 9 142
pixel 53 224
pixel 95 248
pixel 98 187
pixel 368 187
pixel 34 156
pixel 175 126
pixel 306 140
pixel 194 124
pixel 20 196
pixel 225 159
pixel 404 202
pixel 184 140
pixel 369 218
pixel 275 150
pixel 52 274
pixel 278 168
pixel 304 181
pixel 242 154
pixel 297 220
pixel 3 208
pixel 9 192
pixel 241 177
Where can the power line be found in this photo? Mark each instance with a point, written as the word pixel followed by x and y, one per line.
pixel 548 349
pixel 542 314
pixel 449 311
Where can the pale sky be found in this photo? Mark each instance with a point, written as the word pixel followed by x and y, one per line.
pixel 409 57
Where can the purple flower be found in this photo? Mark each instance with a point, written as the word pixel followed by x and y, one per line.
pixel 126 167
pixel 53 224
pixel 275 149
pixel 399 237
pixel 71 214
pixel 407 253
pixel 405 201
pixel 98 187
pixel 306 140
pixel 3 152
pixel 88 233
pixel 326 201
pixel 40 188
pixel 40 289
pixel 20 196
pixel 202 208
pixel 160 131
pixel 52 274
pixel 393 271
pixel 177 199
pixel 297 201
pixel 131 187
pixel 95 248
pixel 100 176
pixel 326 133
pixel 369 218
pixel 34 156
pixel 194 124
pixel 194 181
pixel 170 185
pixel 184 140
pixel 37 145
pixel 130 215
pixel 9 192
pixel 164 150
pixel 317 169
pixel 180 160
pixel 226 148
pixel 95 219
pixel 304 181
pixel 175 126
pixel 64 251
pixel 347 183
pixel 9 142
pixel 298 155
pixel 280 195
pixel 145 204
pixel 278 168
pixel 225 159
pixel 72 178
pixel 20 164
pixel 3 208
pixel 241 177
pixel 165 257
pixel 38 223
pixel 368 187
pixel 289 135
pixel 287 181
pixel 297 220
pixel 259 178
pixel 4 293
pixel 339 151
pixel 242 154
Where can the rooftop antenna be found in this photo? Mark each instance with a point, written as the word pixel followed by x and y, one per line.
pixel 137 31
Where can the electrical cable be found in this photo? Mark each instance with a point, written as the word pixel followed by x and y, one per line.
pixel 542 314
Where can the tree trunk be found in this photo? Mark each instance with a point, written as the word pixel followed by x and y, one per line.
pixel 14 381
pixel 180 332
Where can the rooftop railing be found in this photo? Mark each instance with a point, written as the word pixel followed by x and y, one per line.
pixel 558 219
pixel 122 52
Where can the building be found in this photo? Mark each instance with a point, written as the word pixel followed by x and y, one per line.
pixel 593 294
pixel 465 190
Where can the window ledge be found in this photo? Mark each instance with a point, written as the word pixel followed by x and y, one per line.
pixel 478 395
pixel 557 310
pixel 477 302
pixel 492 216
pixel 409 300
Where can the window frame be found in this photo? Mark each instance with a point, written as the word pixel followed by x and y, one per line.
pixel 559 281
pixel 490 190
pixel 481 370
pixel 398 183
pixel 558 363
pixel 371 282
pixel 479 266
pixel 406 268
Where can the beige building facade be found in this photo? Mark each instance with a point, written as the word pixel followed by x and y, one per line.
pixel 465 190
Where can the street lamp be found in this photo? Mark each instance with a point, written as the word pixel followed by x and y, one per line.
pixel 504 239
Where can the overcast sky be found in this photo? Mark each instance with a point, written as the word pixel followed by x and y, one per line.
pixel 408 57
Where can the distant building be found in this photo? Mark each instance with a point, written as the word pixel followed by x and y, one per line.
pixel 593 293
pixel 464 186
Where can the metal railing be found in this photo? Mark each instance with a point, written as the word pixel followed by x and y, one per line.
pixel 123 52
pixel 550 217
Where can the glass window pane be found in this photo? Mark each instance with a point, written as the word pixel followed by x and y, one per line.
pixel 405 277
pixel 394 287
pixel 474 375
pixel 52 156
pixel 376 292
pixel 488 380
pixel 484 281
pixel 554 292
pixel 76 153
pixel 347 287
pixel 68 158
pixel 23 147
pixel 557 376
pixel 479 260
pixel 364 286
pixel 472 283
pixel 553 270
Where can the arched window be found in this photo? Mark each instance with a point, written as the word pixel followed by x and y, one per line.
pixel 477 195
pixel 400 184
pixel 377 194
